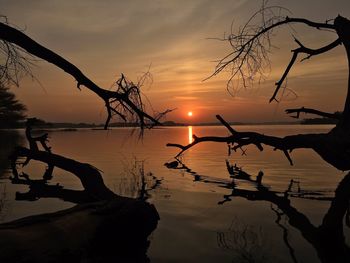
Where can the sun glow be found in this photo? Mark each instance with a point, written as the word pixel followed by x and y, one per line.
pixel 190 134
pixel 189 114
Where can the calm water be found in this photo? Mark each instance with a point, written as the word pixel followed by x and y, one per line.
pixel 193 227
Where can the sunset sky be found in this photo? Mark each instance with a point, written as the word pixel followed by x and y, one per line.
pixel 106 38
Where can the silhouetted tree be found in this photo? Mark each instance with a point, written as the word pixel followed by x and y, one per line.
pixel 11 110
pixel 248 60
pixel 103 220
pixel 124 101
pixel 103 225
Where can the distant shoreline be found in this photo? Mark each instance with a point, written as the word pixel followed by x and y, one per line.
pixel 74 126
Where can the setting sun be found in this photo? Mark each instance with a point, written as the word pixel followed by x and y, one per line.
pixel 161 140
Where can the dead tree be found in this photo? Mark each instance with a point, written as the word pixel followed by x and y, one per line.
pixel 103 226
pixel 247 60
pixel 125 101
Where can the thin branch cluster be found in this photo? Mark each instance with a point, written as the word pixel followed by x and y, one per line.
pixel 249 59
pixel 130 90
pixel 15 63
pixel 251 45
pixel 124 101
pixel 127 103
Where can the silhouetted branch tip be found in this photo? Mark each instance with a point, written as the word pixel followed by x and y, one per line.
pixel 125 101
pixel 252 44
pixel 335 115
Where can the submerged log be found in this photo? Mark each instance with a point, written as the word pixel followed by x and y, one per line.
pixel 115 230
pixel 103 227
pixel 89 176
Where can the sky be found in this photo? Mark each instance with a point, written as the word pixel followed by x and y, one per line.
pixel 173 39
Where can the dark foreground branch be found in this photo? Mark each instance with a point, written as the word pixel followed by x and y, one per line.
pixel 245 42
pixel 124 102
pixel 252 44
pixel 302 50
pixel 239 139
pixel 89 176
pixel 103 227
pixel 333 147
pixel 336 115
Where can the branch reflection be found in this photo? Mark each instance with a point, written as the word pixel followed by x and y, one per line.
pixel 327 239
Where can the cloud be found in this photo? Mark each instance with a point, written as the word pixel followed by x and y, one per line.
pixel 185 98
pixel 106 38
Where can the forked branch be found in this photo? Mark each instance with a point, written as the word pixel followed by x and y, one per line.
pixel 251 46
pixel 124 102
pixel 309 52
pixel 336 115
pixel 239 139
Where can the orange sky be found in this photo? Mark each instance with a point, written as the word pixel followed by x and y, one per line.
pixel 106 38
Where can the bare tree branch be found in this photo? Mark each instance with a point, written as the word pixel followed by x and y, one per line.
pixel 249 57
pixel 239 139
pixel 333 147
pixel 336 115
pixel 309 52
pixel 125 101
pixel 251 45
pixel 15 62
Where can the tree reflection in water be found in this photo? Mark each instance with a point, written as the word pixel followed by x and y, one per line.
pixel 328 239
pixel 135 182
pixel 247 242
pixel 8 139
pixel 102 227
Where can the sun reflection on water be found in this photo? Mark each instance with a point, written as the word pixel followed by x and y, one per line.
pixel 190 134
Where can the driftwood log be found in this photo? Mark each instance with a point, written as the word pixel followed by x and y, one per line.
pixel 103 227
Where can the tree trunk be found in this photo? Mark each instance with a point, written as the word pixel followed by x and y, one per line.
pixel 106 228
pixel 343 30
pixel 89 176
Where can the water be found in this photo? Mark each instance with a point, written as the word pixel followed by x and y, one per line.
pixel 193 227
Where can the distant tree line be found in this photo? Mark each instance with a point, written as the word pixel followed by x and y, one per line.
pixel 322 120
pixel 12 112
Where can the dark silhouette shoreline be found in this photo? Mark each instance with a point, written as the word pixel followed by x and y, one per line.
pixel 68 126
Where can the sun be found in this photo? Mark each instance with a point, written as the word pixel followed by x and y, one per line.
pixel 189 114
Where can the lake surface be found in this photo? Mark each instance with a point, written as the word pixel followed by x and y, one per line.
pixel 193 226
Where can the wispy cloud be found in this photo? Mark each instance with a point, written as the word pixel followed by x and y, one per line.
pixel 105 38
